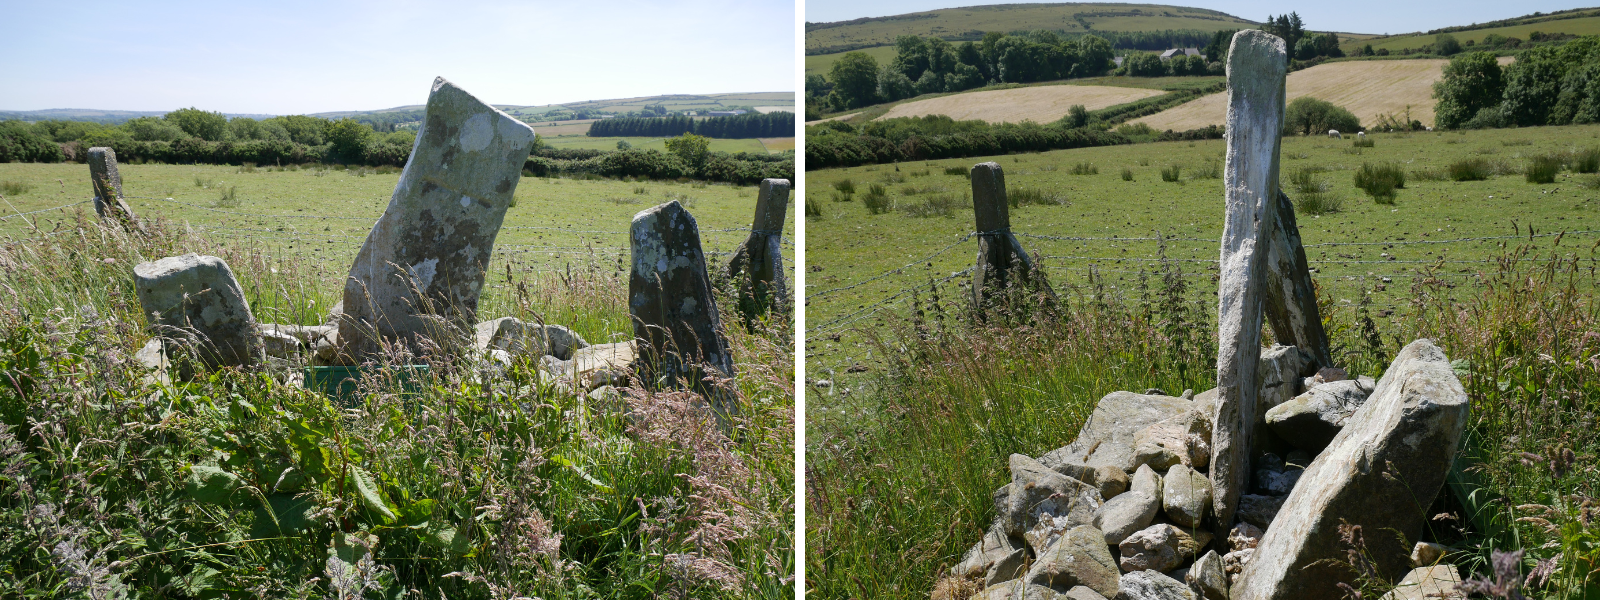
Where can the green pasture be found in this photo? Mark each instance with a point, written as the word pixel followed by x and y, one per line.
pixel 848 246
pixel 318 218
pixel 820 64
pixel 657 143
pixel 953 22
pixel 1579 26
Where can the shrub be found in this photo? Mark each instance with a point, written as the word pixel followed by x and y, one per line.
pixel 1586 160
pixel 845 186
pixel 1171 174
pixel 229 198
pixel 1085 169
pixel 813 208
pixel 876 199
pixel 1319 203
pixel 1380 181
pixel 1127 174
pixel 1361 141
pixel 1307 116
pixel 1304 180
pixel 1543 168
pixel 1472 169
pixel 14 188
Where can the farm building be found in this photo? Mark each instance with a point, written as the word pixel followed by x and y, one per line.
pixel 1179 52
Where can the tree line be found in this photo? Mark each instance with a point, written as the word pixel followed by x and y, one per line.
pixel 752 125
pixel 1546 85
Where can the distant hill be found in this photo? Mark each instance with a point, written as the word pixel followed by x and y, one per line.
pixel 1577 21
pixel 766 101
pixel 969 23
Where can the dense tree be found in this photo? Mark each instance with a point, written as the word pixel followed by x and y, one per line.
pixel 301 129
pixel 1307 115
pixel 1094 53
pixel 691 149
pixel 911 56
pixel 965 77
pixel 151 129
pixel 1470 83
pixel 1533 83
pixel 1144 64
pixel 894 85
pixel 855 80
pixel 208 126
pixel 930 83
pixel 349 139
pixel 1446 45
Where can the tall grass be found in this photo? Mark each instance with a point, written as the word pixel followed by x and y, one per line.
pixel 877 199
pixel 1085 169
pixel 1470 169
pixel 937 205
pixel 899 484
pixel 1022 196
pixel 1380 181
pixel 1543 168
pixel 483 483
pixel 1172 174
pixel 14 188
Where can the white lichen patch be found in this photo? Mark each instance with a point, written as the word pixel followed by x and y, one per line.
pixel 422 273
pixel 466 201
pixel 477 132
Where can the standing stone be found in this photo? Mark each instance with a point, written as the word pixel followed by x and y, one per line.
pixel 1001 260
pixel 1381 472
pixel 675 317
pixel 422 267
pixel 108 186
pixel 760 257
pixel 197 308
pixel 1291 304
pixel 1257 62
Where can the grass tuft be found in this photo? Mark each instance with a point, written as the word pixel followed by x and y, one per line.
pixel 1543 168
pixel 1380 181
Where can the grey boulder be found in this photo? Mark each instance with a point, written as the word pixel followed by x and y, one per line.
pixel 1037 490
pixel 517 337
pixel 1259 510
pixel 194 303
pixel 1079 558
pixel 1151 585
pixel 1160 547
pixel 1208 578
pixel 1119 517
pixel 1311 420
pixel 1186 496
pixel 1108 436
pixel 994 546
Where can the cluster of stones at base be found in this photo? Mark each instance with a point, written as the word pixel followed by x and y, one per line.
pixel 417 280
pixel 1124 511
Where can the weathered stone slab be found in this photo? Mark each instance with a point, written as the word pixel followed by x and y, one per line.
pixel 1001 260
pixel 1291 299
pixel 1186 496
pixel 1152 585
pixel 1017 590
pixel 760 257
pixel 1036 491
pixel 1257 63
pixel 1119 517
pixel 1079 558
pixel 994 546
pixel 1428 583
pixel 197 307
pixel 675 316
pixel 517 337
pixel 1208 578
pixel 1311 420
pixel 422 267
pixel 594 366
pixel 107 182
pixel 1381 472
pixel 1108 438
pixel 1161 547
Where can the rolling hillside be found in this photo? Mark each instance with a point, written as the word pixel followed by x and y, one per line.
pixel 1367 88
pixel 1585 21
pixel 969 23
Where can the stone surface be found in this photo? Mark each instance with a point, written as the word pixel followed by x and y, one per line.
pixel 675 316
pixel 1146 479
pixel 1121 516
pixel 1109 480
pixel 1155 456
pixel 1311 420
pixel 1426 554
pixel 1187 437
pixel 1428 583
pixel 1009 567
pixel 1160 547
pixel 1208 578
pixel 1259 510
pixel 517 337
pixel 1279 373
pixel 196 306
pixel 1186 496
pixel 107 182
pixel 1291 299
pixel 1081 593
pixel 1001 260
pixel 760 257
pixel 279 344
pixel 1257 63
pixel 1381 472
pixel 1079 558
pixel 1036 490
pixel 994 546
pixel 1108 436
pixel 594 366
pixel 1244 536
pixel 421 269
pixel 1234 562
pixel 1151 585
pixel 1279 479
pixel 1047 530
pixel 1009 591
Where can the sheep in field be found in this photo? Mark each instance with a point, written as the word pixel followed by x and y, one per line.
pixel 1334 133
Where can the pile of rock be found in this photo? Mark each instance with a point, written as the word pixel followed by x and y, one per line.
pixel 1124 511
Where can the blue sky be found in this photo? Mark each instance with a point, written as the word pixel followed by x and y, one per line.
pixel 1353 16
pixel 294 57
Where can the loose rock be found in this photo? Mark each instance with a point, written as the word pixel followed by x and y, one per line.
pixel 1008 591
pixel 198 308
pixel 1208 578
pixel 1311 420
pixel 1151 585
pixel 1036 490
pixel 1399 445
pixel 1147 480
pixel 1009 567
pixel 1187 437
pixel 1079 558
pixel 1108 437
pixel 1427 554
pixel 513 335
pixel 1259 510
pixel 1428 583
pixel 1160 547
pixel 1186 496
pixel 1244 536
pixel 1121 516
pixel 994 546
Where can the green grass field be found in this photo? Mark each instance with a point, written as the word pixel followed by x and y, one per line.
pixel 647 143
pixel 847 246
pixel 1579 26
pixel 951 22
pixel 820 64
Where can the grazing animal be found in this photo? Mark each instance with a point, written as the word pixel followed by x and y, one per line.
pixel 1430 129
pixel 1361 135
pixel 1334 133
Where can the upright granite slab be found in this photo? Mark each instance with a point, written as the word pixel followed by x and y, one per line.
pixel 1291 304
pixel 675 317
pixel 1257 63
pixel 1001 260
pixel 107 182
pixel 198 309
pixel 759 259
pixel 1381 472
pixel 422 267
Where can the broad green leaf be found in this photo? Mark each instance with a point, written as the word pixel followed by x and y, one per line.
pixel 211 484
pixel 283 514
pixel 369 493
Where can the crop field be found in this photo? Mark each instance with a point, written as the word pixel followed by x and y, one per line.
pixel 1040 104
pixel 951 23
pixel 1367 88
pixel 555 128
pixel 319 217
pixel 1579 26
pixel 864 267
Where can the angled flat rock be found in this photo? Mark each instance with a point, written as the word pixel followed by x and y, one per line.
pixel 1108 438
pixel 194 303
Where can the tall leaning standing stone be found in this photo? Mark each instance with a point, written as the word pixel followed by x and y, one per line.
pixel 423 264
pixel 1257 62
pixel 1291 304
pixel 195 305
pixel 1381 472
pixel 107 183
pixel 760 257
pixel 675 318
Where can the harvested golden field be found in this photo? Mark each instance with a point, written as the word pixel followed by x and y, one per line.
pixel 838 118
pixel 1042 104
pixel 1367 88
pixel 777 144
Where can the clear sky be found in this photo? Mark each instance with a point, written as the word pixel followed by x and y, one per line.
pixel 1351 16
pixel 296 57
